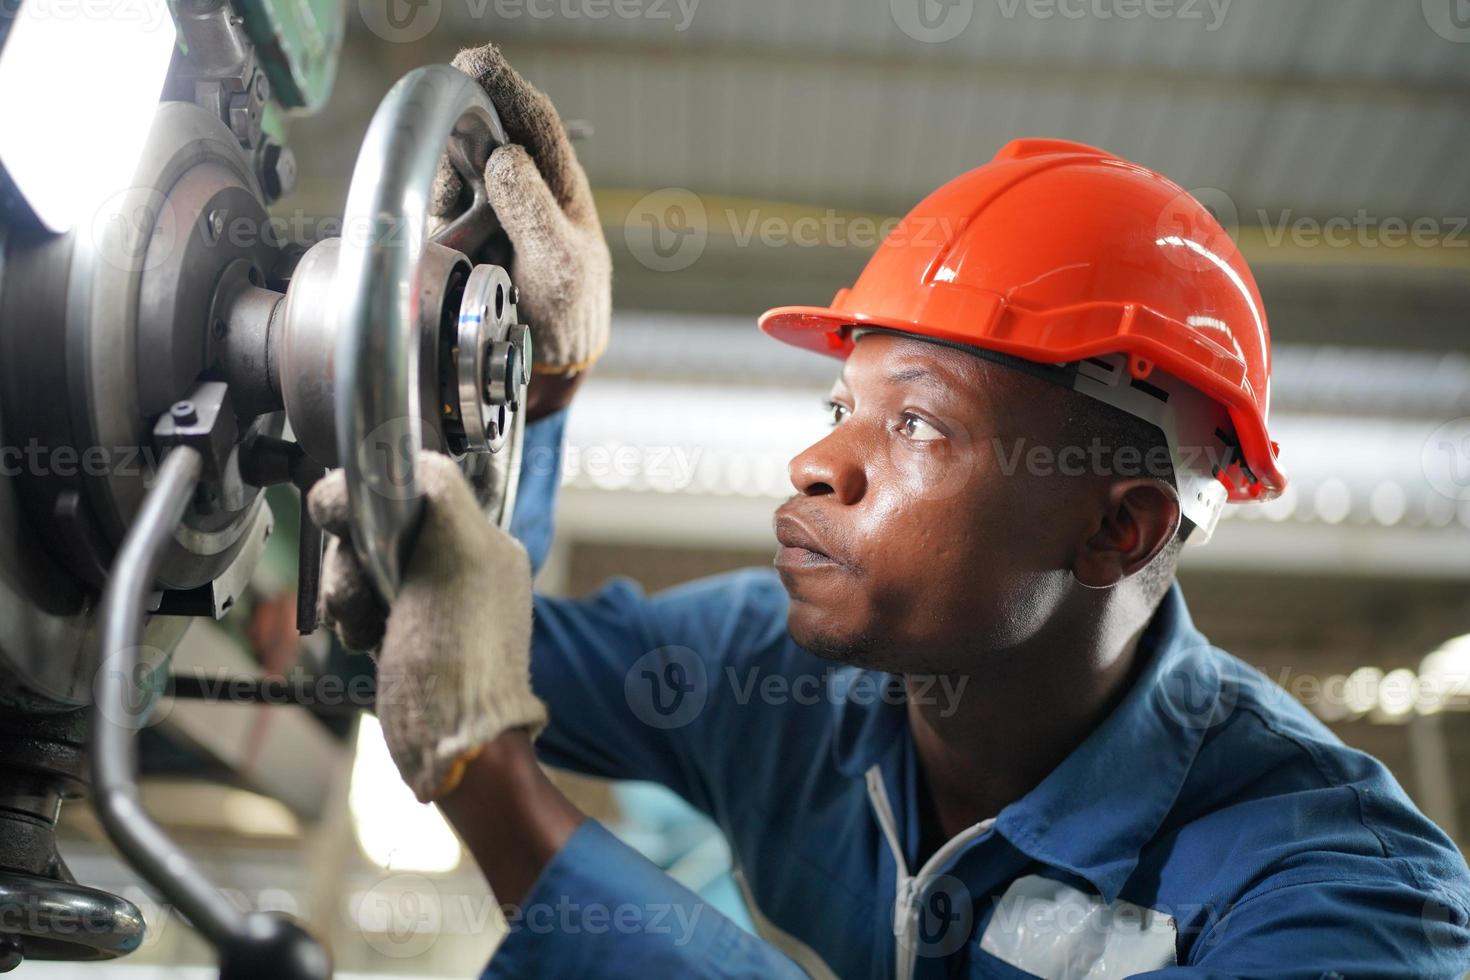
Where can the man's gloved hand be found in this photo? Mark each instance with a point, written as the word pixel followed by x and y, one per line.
pixel 560 262
pixel 454 650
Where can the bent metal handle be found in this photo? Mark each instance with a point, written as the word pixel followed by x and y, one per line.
pixel 250 944
pixel 379 428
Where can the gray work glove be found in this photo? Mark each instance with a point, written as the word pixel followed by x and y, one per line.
pixel 453 652
pixel 559 259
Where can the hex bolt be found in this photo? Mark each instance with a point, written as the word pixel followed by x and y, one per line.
pixel 277 170
pixel 183 413
pixel 214 225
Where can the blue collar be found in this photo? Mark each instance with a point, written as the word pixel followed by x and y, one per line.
pixel 1093 814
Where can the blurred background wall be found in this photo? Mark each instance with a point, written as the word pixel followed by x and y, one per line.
pixel 750 153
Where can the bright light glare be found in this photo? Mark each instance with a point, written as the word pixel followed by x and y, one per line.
pixel 1396 693
pixel 1362 689
pixel 79 84
pixel 1445 676
pixel 396 831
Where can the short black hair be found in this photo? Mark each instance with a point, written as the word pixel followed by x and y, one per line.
pixel 1087 419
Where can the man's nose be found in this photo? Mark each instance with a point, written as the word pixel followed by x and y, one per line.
pixel 830 466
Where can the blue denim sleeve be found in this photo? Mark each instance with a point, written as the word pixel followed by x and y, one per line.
pixel 633 682
pixel 639 686
pixel 600 909
pixel 531 520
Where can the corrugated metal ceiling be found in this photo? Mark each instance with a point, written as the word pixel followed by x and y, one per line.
pixel 1324 107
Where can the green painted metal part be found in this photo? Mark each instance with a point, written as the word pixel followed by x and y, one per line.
pixel 298 42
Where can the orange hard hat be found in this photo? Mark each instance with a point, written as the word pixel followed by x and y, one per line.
pixel 1060 253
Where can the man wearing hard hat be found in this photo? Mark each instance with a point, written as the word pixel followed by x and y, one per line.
pixel 1015 755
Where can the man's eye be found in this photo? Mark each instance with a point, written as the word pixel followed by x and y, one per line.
pixel 836 412
pixel 918 430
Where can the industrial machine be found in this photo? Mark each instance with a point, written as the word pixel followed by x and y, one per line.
pixel 165 355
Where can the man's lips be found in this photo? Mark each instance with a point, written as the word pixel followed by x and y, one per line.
pixel 801 548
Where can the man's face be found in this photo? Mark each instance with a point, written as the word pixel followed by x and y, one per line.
pixel 917 537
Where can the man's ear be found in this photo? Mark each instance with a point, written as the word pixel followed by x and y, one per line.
pixel 1140 516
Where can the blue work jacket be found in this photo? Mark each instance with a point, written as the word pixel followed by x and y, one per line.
pixel 1210 826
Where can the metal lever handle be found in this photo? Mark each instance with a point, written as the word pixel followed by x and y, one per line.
pixel 250 944
pixel 379 426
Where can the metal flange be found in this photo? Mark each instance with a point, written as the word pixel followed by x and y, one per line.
pixel 492 359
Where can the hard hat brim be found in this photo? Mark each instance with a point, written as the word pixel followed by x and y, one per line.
pixel 827 330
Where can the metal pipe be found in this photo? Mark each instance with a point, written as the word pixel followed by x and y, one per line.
pixel 250 944
pixel 116 718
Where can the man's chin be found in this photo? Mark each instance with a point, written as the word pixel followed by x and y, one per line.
pixel 817 635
